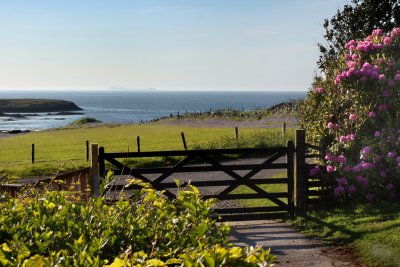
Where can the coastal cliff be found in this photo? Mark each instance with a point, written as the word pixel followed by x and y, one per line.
pixel 36 105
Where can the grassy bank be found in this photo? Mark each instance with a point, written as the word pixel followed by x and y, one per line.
pixel 65 148
pixel 373 230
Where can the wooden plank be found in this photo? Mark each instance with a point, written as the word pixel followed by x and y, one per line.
pixel 172 170
pixel 206 168
pixel 308 145
pixel 267 150
pixel 248 210
pixel 313 193
pixel 310 156
pixel 314 184
pixel 251 217
pixel 250 174
pixel 209 183
pixel 271 196
pixel 290 175
pixel 301 180
pixel 97 165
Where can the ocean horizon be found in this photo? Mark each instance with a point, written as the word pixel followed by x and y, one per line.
pixel 113 106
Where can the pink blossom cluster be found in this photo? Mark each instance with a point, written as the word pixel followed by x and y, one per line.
pixel 355 66
pixel 364 159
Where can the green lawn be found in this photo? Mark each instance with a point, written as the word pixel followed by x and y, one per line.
pixel 65 148
pixel 374 230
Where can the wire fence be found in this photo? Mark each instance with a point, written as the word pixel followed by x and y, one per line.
pixel 16 155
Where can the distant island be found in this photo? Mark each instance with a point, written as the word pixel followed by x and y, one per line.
pixel 117 88
pixel 37 105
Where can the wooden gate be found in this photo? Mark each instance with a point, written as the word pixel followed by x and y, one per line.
pixel 234 175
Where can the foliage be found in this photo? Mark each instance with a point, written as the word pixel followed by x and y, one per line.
pixel 355 21
pixel 372 230
pixel 83 121
pixel 56 229
pixel 357 112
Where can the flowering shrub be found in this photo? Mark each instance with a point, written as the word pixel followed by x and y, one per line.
pixel 356 109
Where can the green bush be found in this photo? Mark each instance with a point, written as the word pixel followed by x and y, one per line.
pixel 83 121
pixel 56 229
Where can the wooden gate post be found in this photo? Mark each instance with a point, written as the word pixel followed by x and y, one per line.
pixel 301 176
pixel 94 171
pixel 290 175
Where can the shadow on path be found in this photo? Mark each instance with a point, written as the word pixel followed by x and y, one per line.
pixel 291 247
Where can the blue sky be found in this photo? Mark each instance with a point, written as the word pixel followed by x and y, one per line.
pixel 169 45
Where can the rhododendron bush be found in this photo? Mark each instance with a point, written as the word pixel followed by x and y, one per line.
pixel 356 110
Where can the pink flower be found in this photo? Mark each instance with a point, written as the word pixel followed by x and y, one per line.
pixel 352 117
pixel 370 197
pixel 390 154
pixel 314 171
pixel 330 168
pixel 387 41
pixel 319 90
pixel 377 133
pixel 330 125
pixel 342 181
pixel 382 174
pixel 338 191
pixel 355 169
pixel 364 182
pixel 385 93
pixel 351 137
pixel 366 150
pixel 352 188
pixel 342 139
pixel 397 77
pixel 346 168
pixel 382 77
pixel 382 107
pixel 372 114
pixel 377 32
pixel 398 159
pixel 328 156
pixel 354 57
pixel 389 187
pixel 342 159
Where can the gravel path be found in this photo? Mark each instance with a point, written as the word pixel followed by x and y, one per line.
pixel 292 248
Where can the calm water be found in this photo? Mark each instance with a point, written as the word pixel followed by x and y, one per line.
pixel 128 107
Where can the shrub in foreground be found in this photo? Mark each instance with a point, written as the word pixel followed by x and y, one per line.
pixel 54 229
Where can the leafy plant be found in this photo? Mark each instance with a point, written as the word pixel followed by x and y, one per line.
pixel 55 228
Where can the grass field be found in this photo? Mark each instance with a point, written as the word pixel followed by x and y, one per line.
pixel 65 148
pixel 373 230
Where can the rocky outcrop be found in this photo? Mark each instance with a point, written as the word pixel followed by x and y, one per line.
pixel 36 105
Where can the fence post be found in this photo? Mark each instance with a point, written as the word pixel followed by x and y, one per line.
pixel 138 143
pixel 283 129
pixel 33 153
pixel 94 171
pixel 87 150
pixel 301 176
pixel 290 175
pixel 322 148
pixel 183 140
pixel 237 137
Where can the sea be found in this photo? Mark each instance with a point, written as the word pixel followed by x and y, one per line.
pixel 136 106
